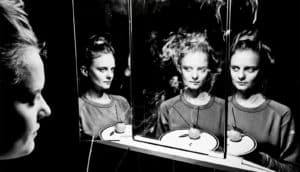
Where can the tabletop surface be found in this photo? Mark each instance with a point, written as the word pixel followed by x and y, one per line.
pixel 210 159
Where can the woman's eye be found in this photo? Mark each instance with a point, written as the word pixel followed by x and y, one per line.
pixel 234 68
pixel 101 69
pixel 27 98
pixel 251 69
pixel 187 69
pixel 203 70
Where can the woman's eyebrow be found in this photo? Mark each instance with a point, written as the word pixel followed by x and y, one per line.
pixel 202 67
pixel 253 66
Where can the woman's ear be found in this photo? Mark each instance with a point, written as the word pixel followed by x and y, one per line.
pixel 84 71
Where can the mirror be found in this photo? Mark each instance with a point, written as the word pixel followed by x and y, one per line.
pixel 173 72
pixel 177 83
pixel 103 72
pixel 261 106
pixel 103 68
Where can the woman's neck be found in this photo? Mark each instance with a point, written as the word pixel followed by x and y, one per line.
pixel 196 97
pixel 250 101
pixel 97 97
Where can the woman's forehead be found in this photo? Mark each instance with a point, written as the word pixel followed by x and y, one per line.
pixel 104 59
pixel 248 56
pixel 34 67
pixel 195 58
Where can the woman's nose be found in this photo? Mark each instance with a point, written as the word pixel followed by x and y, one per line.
pixel 45 109
pixel 110 74
pixel 194 75
pixel 241 75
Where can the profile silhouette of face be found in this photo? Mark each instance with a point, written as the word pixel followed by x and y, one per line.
pixel 23 112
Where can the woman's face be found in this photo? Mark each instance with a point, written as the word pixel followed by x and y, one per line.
pixel 27 109
pixel 194 70
pixel 101 71
pixel 244 69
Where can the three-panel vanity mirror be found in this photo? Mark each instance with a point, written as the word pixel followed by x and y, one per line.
pixel 169 72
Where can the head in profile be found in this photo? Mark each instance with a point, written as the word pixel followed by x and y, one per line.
pixel 98 65
pixel 194 59
pixel 99 108
pixel 22 80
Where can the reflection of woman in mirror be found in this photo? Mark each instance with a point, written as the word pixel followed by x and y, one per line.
pixel 194 107
pixel 251 112
pixel 97 108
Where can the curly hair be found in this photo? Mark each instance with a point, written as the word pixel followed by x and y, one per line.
pixel 181 43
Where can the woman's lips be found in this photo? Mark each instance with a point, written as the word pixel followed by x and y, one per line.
pixel 107 82
pixel 35 132
pixel 241 83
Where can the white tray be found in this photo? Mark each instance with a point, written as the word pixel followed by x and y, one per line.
pixel 243 147
pixel 180 139
pixel 110 134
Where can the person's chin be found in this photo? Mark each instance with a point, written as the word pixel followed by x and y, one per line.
pixel 194 87
pixel 106 88
pixel 23 148
pixel 241 88
pixel 30 145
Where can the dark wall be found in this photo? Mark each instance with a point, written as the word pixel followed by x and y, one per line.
pixel 279 23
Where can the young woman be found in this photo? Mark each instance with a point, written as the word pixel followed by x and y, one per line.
pixel 22 80
pixel 97 108
pixel 195 107
pixel 267 121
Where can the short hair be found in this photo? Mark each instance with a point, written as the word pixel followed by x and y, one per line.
pixel 16 35
pixel 97 46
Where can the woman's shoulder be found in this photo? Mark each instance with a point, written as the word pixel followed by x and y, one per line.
pixel 81 102
pixel 219 100
pixel 119 98
pixel 170 101
pixel 278 107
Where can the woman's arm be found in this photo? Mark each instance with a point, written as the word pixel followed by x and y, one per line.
pixel 288 160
